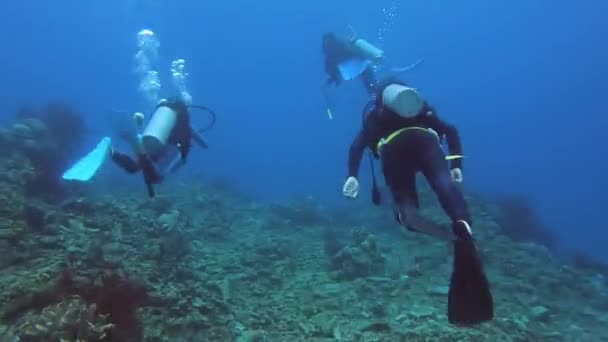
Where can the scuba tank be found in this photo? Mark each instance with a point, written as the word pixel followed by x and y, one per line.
pixel 367 50
pixel 157 132
pixel 160 127
pixel 402 100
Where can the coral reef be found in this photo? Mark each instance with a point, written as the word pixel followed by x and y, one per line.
pixel 361 258
pixel 69 320
pixel 202 265
pixel 50 138
pixel 303 212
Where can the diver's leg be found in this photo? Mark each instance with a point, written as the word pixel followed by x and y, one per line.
pixel 405 197
pixel 400 165
pixel 150 172
pixel 407 214
pixel 436 171
pixel 399 174
pixel 125 162
pixel 149 169
pixel 470 300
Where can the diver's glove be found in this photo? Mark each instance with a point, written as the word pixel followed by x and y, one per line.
pixel 456 175
pixel 351 187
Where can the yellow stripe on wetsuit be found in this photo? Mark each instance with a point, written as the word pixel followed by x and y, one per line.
pixel 392 136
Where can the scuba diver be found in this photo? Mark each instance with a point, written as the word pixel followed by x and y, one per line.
pixel 164 145
pixel 403 131
pixel 348 59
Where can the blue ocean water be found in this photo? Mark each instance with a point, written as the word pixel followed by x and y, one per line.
pixel 523 81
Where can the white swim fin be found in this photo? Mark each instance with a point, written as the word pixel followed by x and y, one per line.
pixel 353 68
pixel 87 167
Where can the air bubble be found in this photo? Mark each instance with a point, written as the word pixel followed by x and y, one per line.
pixel 178 71
pixel 145 58
pixel 390 17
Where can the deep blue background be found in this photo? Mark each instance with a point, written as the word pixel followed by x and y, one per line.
pixel 524 80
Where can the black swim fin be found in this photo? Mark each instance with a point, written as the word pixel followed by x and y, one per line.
pixel 470 300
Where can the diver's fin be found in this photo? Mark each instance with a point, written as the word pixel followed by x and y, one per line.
pixel 470 300
pixel 198 139
pixel 409 217
pixel 398 70
pixel 353 68
pixel 86 167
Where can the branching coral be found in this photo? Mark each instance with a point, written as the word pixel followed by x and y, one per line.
pixel 359 259
pixel 68 320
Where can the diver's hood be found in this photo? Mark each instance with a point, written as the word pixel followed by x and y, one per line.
pixel 403 100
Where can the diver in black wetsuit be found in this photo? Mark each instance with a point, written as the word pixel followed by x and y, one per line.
pixel 404 132
pixel 170 155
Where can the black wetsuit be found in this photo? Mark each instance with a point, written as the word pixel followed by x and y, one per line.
pixel 181 136
pixel 410 152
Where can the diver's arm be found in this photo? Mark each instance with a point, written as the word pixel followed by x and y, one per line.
pixel 356 153
pixel 181 161
pixel 333 76
pixel 184 148
pixel 368 77
pixel 453 139
pixel 185 144
pixel 364 138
